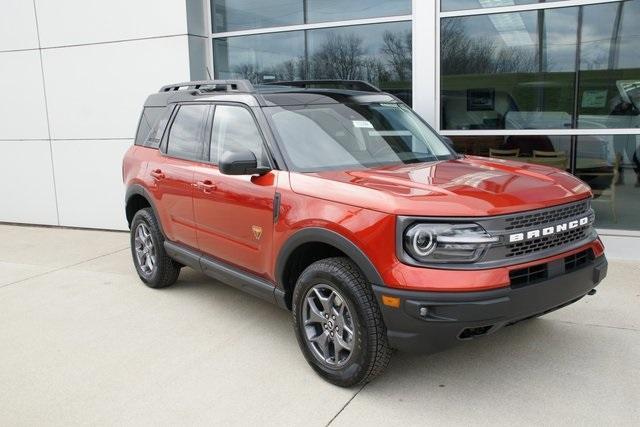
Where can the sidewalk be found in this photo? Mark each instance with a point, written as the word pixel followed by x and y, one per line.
pixel 85 342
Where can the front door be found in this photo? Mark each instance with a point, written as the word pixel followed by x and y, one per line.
pixel 234 214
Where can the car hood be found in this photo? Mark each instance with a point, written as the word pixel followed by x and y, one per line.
pixel 468 186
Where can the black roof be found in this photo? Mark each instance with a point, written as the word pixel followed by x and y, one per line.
pixel 302 92
pixel 304 96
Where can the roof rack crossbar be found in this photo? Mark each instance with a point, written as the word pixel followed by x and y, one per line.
pixel 211 86
pixel 339 84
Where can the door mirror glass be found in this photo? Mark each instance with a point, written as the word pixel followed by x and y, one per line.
pixel 241 162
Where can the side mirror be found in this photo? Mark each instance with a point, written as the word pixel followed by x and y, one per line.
pixel 241 162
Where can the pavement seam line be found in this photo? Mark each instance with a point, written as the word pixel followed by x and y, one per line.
pixel 624 328
pixel 44 273
pixel 346 404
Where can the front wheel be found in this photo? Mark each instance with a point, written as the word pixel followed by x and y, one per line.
pixel 338 323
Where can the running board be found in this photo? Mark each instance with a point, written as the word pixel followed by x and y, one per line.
pixel 226 273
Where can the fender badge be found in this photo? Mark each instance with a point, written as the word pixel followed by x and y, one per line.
pixel 257 232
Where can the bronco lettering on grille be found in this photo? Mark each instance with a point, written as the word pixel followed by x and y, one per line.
pixel 547 231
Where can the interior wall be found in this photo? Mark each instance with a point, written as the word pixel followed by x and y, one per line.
pixel 75 74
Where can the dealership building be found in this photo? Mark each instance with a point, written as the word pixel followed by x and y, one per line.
pixel 553 82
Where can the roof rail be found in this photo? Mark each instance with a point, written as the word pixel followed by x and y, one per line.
pixel 332 84
pixel 211 86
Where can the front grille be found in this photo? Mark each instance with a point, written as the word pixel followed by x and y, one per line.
pixel 548 216
pixel 548 242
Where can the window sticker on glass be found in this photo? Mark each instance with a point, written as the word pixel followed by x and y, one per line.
pixel 390 133
pixel 362 124
pixel 594 98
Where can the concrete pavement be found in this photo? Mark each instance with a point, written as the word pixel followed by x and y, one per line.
pixel 82 341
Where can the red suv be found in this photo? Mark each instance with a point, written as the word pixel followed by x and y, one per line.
pixel 335 201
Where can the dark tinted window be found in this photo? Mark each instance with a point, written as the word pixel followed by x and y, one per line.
pixel 234 129
pixel 186 137
pixel 147 120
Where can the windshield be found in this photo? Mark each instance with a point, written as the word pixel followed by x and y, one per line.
pixel 351 136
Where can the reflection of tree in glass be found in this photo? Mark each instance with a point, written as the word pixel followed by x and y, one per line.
pixel 342 57
pixel 397 49
pixel 463 54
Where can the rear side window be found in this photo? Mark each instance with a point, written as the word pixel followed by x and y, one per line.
pixel 147 121
pixel 186 136
pixel 152 125
pixel 157 130
pixel 234 129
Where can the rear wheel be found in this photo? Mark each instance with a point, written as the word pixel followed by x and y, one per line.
pixel 338 323
pixel 152 263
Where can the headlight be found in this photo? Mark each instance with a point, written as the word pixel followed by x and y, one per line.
pixel 442 243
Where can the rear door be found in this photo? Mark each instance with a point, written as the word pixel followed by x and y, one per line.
pixel 234 214
pixel 172 171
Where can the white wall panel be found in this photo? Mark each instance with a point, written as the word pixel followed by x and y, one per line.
pixel 27 191
pixel 17 25
pixel 72 22
pixel 97 91
pixel 89 183
pixel 22 110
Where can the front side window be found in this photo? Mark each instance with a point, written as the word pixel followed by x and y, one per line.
pixel 186 137
pixel 354 136
pixel 233 130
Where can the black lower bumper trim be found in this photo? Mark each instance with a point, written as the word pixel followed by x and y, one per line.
pixel 433 321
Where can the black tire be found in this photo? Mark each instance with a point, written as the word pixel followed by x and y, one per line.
pixel 370 353
pixel 165 271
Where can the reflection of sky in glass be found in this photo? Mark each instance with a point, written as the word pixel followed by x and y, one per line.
pixel 520 30
pixel 340 10
pixel 450 5
pixel 511 28
pixel 370 35
pixel 600 50
pixel 234 15
pixel 264 50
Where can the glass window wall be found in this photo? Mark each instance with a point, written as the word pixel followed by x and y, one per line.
pixel 238 15
pixel 509 71
pixel 377 53
pixel 341 10
pixel 451 5
pixel 520 70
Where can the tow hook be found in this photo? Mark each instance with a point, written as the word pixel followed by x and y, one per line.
pixel 592 292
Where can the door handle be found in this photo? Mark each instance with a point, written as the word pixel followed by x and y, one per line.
pixel 157 174
pixel 206 185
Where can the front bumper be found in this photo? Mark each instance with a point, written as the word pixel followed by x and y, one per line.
pixel 433 321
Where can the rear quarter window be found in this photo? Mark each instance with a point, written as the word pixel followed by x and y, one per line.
pixel 152 125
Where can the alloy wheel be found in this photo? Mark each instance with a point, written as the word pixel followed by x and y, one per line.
pixel 328 325
pixel 145 250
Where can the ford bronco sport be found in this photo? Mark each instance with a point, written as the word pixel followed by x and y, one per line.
pixel 337 202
